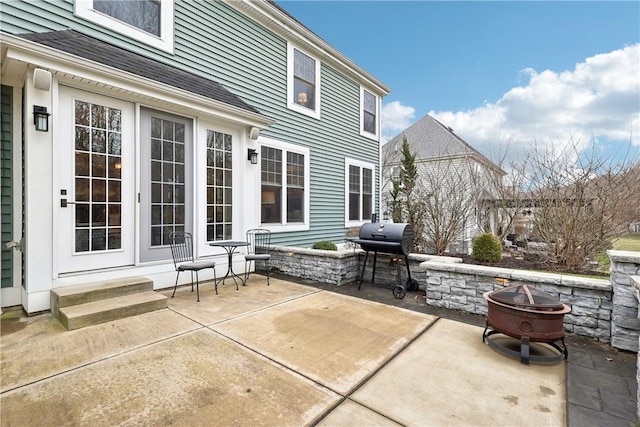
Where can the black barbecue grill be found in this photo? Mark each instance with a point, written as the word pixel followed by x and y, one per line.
pixel 394 239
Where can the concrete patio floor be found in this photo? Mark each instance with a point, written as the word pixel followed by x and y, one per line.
pixel 281 355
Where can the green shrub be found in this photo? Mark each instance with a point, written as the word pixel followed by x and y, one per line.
pixel 486 247
pixel 325 245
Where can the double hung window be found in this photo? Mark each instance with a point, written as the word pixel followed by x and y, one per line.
pixel 284 195
pixel 359 192
pixel 368 114
pixel 303 87
pixel 148 21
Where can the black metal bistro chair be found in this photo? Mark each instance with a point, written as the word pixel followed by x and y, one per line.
pixel 258 250
pixel 183 260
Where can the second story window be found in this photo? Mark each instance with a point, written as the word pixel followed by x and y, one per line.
pixel 304 80
pixel 142 14
pixel 148 21
pixel 368 114
pixel 303 87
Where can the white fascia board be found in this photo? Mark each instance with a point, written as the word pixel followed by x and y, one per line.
pixel 278 21
pixel 61 62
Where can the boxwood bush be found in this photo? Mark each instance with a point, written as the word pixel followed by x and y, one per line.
pixel 325 245
pixel 486 247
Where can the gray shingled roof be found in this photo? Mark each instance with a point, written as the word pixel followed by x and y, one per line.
pixel 430 139
pixel 87 47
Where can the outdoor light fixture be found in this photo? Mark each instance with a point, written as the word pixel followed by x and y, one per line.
pixel 252 155
pixel 41 118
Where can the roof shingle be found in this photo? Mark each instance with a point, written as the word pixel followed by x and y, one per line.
pixel 75 43
pixel 429 139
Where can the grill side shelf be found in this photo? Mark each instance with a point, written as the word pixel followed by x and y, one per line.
pixel 378 244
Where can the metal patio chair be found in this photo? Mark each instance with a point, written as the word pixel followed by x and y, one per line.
pixel 183 260
pixel 258 250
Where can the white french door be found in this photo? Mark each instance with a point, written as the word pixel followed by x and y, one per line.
pixel 166 181
pixel 96 195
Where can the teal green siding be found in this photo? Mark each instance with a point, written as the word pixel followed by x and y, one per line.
pixel 214 40
pixel 6 184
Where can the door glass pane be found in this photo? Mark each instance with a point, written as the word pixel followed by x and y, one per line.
pixel 218 177
pixel 167 180
pixel 97 156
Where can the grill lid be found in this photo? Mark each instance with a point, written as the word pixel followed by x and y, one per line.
pixel 396 238
pixel 523 296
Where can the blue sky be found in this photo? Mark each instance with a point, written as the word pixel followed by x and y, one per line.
pixel 501 73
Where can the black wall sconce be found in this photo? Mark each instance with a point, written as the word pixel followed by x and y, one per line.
pixel 41 118
pixel 252 155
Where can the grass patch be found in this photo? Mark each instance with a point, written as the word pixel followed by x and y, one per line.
pixel 630 242
pixel 627 243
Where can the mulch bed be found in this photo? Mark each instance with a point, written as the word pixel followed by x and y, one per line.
pixel 530 261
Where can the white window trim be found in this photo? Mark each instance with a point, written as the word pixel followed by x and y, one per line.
pixel 290 104
pixel 84 9
pixel 352 162
pixel 362 131
pixel 200 197
pixel 273 143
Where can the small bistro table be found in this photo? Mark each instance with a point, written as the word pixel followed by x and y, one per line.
pixel 230 246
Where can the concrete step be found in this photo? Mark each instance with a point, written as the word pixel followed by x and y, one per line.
pixel 106 310
pixel 81 294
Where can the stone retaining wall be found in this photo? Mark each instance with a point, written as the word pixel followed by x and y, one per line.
pixel 635 281
pixel 335 267
pixel 344 266
pixel 600 309
pixel 461 287
pixel 625 326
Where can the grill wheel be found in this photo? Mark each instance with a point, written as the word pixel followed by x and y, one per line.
pixel 399 292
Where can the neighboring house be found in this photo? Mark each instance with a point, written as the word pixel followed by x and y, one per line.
pixel 606 202
pixel 454 178
pixel 152 115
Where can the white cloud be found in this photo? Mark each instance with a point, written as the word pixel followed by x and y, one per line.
pixel 598 100
pixel 395 118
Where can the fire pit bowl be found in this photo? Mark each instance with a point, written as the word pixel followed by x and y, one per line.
pixel 527 314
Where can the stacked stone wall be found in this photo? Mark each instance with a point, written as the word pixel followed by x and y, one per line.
pixel 334 267
pixel 625 327
pixel 461 287
pixel 601 309
pixel 344 266
pixel 635 281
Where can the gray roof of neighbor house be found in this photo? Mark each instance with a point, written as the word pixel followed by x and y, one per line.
pixel 429 140
pixel 87 47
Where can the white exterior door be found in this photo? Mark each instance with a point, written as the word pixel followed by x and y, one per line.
pixel 95 200
pixel 166 181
